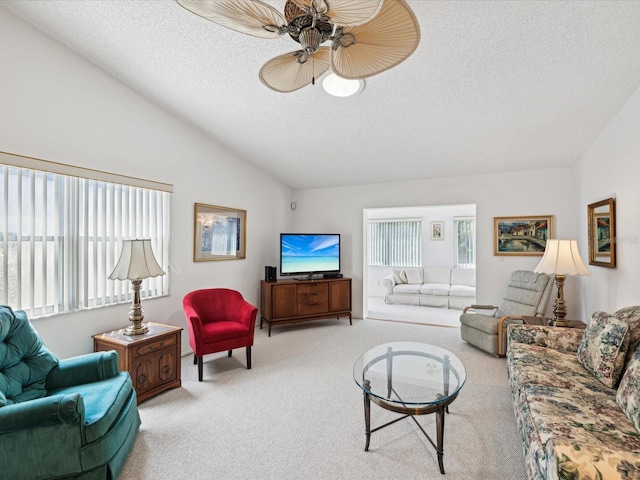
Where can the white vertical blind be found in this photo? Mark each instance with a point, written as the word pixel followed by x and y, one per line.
pixel 465 237
pixel 395 242
pixel 60 238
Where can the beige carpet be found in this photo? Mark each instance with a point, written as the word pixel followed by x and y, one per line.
pixel 443 317
pixel 299 414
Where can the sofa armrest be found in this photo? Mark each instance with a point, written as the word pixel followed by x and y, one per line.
pixel 388 283
pixel 88 368
pixel 564 340
pixel 568 458
pixel 42 412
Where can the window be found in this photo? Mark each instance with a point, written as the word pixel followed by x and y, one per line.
pixel 61 236
pixel 395 243
pixel 465 238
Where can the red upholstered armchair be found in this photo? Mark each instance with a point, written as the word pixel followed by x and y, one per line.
pixel 218 319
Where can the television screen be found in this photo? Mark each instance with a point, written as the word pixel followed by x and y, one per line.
pixel 309 253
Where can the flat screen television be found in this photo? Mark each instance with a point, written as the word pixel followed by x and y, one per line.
pixel 309 253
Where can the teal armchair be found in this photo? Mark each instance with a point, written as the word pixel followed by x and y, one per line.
pixel 74 418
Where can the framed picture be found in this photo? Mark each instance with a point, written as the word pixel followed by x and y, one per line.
pixel 521 235
pixel 437 230
pixel 602 233
pixel 219 233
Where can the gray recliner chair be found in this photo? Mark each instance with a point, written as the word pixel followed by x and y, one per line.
pixel 485 326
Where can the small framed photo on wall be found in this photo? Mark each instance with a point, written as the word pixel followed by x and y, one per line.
pixel 437 230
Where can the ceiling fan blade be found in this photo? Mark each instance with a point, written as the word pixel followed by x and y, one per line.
pixel 285 74
pixel 252 17
pixel 347 12
pixel 383 43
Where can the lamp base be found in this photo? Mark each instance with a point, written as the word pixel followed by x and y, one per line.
pixel 136 314
pixel 134 329
pixel 559 322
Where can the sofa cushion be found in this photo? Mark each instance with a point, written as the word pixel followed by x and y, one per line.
pixel 628 395
pixel 437 275
pixel 438 289
pixel 406 288
pixel 24 360
pixel 414 275
pixel 463 276
pixel 603 347
pixel 462 291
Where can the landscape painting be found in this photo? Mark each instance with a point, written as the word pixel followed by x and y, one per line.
pixel 522 235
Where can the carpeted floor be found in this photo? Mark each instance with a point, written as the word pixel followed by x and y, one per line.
pixel 444 317
pixel 299 414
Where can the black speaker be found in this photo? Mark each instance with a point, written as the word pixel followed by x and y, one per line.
pixel 270 274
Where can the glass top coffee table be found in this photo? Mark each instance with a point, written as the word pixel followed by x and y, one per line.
pixel 412 379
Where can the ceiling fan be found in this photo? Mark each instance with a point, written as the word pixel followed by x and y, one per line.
pixel 365 37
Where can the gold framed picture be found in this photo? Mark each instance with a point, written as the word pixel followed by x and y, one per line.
pixel 521 235
pixel 602 233
pixel 219 233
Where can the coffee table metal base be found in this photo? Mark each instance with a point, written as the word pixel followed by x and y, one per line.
pixel 407 411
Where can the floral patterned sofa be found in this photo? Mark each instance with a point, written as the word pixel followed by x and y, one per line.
pixel 576 397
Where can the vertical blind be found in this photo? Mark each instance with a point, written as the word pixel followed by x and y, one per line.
pixel 395 243
pixel 465 232
pixel 61 236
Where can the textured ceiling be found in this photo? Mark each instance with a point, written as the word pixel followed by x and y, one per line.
pixel 493 87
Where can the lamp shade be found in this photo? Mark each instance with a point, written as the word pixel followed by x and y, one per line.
pixel 136 261
pixel 561 257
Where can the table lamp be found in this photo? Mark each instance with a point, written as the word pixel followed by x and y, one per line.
pixel 561 258
pixel 136 263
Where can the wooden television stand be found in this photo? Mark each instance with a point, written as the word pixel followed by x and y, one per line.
pixel 294 301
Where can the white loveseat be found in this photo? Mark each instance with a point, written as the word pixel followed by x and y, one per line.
pixel 431 287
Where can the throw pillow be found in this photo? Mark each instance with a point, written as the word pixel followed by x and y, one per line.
pixel 628 395
pixel 414 276
pixel 603 348
pixel 399 276
pixel 631 316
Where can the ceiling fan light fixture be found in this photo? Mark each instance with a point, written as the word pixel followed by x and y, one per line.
pixel 341 87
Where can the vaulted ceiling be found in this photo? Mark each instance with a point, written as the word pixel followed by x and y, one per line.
pixel 494 86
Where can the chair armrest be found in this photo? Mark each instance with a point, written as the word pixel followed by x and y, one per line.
pixel 246 314
pixel 388 283
pixel 564 340
pixel 42 412
pixel 479 307
pixel 88 368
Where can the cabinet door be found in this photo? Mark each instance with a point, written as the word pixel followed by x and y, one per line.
pixel 144 372
pixel 283 299
pixel 339 296
pixel 313 298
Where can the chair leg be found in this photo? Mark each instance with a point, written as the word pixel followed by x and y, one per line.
pixel 248 358
pixel 195 359
pixel 200 368
pixel 229 353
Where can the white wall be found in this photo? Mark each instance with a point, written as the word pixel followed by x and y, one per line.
pixel 56 106
pixel 611 168
pixel 534 192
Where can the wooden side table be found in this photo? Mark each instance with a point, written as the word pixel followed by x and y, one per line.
pixel 152 359
pixel 545 321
